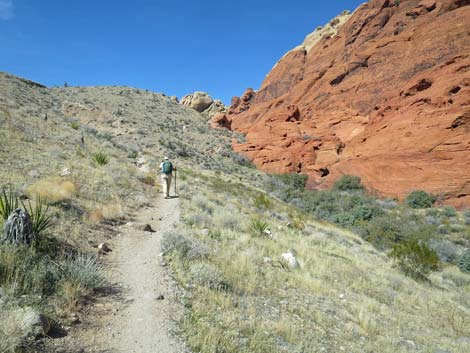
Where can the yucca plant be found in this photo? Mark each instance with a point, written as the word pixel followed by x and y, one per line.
pixel 41 219
pixel 18 228
pixel 464 262
pixel 258 227
pixel 8 203
pixel 100 158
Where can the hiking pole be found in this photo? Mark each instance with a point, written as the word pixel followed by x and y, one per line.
pixel 175 181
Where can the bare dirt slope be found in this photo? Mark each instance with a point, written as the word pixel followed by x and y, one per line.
pixel 139 316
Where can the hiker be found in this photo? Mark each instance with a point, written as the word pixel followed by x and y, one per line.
pixel 166 169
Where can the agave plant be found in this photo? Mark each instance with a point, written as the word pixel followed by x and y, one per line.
pixel 24 226
pixel 100 158
pixel 258 227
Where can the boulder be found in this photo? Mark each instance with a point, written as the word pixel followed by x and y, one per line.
pixel 199 101
pixel 204 104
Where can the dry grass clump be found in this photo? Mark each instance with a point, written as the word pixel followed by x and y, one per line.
pixel 53 189
pixel 111 211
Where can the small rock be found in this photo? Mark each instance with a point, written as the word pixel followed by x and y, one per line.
pixel 205 232
pixel 103 248
pixel 290 259
pixel 160 297
pixel 267 260
pixel 65 172
pixel 146 228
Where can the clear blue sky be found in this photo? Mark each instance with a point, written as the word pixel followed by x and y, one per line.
pixel 174 47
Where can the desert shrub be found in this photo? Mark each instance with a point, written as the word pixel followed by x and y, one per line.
pixel 458 278
pixel 75 125
pixel 241 160
pixel 202 203
pixel 348 183
pixel 415 258
pixel 286 186
pixel 344 219
pixel 293 180
pixel 207 275
pixel 258 227
pixel 184 246
pixel 464 262
pixel 198 219
pixel 466 217
pixel 387 204
pixel 384 231
pixel 226 218
pixel 82 270
pixel 262 201
pixel 445 249
pixel 347 210
pixel 100 158
pixel 449 211
pixel 419 199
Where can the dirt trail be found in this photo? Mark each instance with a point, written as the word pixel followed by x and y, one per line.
pixel 142 327
pixel 136 319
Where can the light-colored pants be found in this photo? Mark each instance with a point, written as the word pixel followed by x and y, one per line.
pixel 166 183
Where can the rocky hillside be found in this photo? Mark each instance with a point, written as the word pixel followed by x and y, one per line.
pixel 382 93
pixel 91 154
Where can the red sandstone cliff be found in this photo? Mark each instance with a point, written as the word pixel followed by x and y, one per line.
pixel 383 94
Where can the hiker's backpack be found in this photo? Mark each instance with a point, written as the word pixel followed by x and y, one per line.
pixel 167 167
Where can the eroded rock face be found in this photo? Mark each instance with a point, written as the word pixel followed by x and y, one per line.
pixel 384 94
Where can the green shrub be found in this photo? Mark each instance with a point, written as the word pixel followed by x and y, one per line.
pixel 449 211
pixel 384 231
pixel 348 183
pixel 464 262
pixel 286 186
pixel 344 219
pixel 293 180
pixel 100 158
pixel 75 125
pixel 419 199
pixel 262 201
pixel 415 259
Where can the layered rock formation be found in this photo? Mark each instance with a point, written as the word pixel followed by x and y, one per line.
pixel 383 93
pixel 203 103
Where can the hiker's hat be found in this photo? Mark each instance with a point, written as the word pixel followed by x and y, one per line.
pixel 165 158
